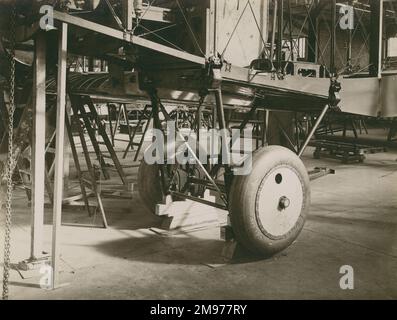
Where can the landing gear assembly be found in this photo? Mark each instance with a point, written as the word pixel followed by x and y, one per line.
pixel 267 207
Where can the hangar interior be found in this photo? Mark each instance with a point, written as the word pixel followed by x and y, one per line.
pixel 189 149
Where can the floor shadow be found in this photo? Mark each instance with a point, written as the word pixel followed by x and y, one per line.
pixel 125 214
pixel 179 249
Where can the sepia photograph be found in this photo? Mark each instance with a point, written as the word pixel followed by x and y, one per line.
pixel 198 155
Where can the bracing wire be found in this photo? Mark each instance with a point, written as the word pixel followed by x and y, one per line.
pixel 234 30
pixel 257 25
pixel 194 38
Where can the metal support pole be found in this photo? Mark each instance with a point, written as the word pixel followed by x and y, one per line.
pixel 38 148
pixel 265 136
pixel 220 109
pixel 313 131
pixel 274 30
pixel 60 137
pixel 222 125
pixel 291 41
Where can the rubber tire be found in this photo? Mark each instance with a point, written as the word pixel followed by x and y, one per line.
pixel 149 186
pixel 242 202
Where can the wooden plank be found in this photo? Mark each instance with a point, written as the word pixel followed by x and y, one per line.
pixel 105 137
pixel 79 110
pixel 60 139
pixel 90 183
pixel 67 150
pixel 77 162
pixel 38 148
pixel 127 37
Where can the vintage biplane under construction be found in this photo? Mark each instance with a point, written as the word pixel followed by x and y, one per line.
pixel 309 56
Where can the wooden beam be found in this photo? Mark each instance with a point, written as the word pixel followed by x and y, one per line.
pixel 127 37
pixel 375 49
pixel 128 8
pixel 67 153
pixel 60 138
pixel 157 14
pixel 332 66
pixel 313 34
pixel 38 147
pixel 380 43
pixel 280 34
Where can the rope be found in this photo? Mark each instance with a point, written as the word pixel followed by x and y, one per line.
pixel 10 160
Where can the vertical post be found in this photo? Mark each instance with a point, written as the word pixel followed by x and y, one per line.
pixel 375 50
pixel 60 138
pixel 67 150
pixel 222 126
pixel 280 34
pixel 291 41
pixel 265 140
pixel 91 64
pixel 38 147
pixel 212 22
pixel 214 117
pixel 333 37
pixel 349 48
pixel 215 6
pixel 312 36
pixel 380 57
pixel 128 8
pixel 274 25
pixel 84 64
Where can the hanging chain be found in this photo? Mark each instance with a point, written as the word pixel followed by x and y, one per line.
pixel 10 158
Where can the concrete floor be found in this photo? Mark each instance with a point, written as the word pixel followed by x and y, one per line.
pixel 352 222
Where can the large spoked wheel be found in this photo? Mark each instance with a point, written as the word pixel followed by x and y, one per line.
pixel 268 208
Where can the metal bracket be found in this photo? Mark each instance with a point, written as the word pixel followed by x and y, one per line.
pixel 33 264
pixel 318 173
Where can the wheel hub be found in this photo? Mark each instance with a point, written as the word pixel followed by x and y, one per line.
pixel 279 201
pixel 284 203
